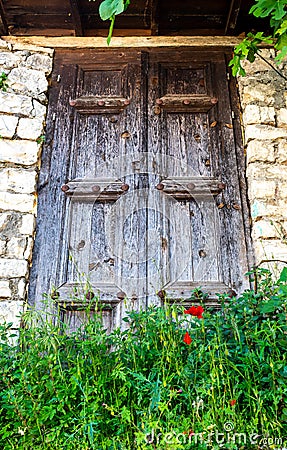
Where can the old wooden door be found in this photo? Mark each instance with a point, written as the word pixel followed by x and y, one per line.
pixel 141 190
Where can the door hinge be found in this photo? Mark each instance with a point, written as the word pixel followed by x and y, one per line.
pixel 232 115
pixel 58 78
pixel 228 76
pixel 54 117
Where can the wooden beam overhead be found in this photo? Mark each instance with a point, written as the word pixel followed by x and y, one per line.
pixel 232 16
pixel 154 17
pixel 76 16
pixel 3 22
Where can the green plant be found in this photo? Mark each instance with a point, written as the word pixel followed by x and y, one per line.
pixel 275 10
pixel 148 386
pixel 3 83
pixel 109 9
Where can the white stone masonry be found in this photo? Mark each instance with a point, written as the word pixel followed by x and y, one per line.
pixel 23 104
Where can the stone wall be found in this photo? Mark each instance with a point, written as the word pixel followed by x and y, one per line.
pixel 263 97
pixel 22 118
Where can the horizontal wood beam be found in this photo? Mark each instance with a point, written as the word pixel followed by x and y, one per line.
pixel 20 42
pixel 232 16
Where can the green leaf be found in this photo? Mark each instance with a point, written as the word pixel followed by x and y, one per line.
pixel 269 307
pixel 283 275
pixel 109 8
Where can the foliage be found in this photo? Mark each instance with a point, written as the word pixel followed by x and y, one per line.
pixel 249 47
pixel 109 9
pixel 3 83
pixel 174 379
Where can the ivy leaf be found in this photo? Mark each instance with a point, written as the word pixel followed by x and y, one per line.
pixel 265 8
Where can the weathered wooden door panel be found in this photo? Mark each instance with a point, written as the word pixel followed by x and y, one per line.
pixel 143 148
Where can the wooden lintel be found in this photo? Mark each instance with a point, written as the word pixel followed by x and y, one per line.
pixel 3 22
pixel 76 16
pixel 232 16
pixel 20 42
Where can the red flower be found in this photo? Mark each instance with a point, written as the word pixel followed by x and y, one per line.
pixel 190 433
pixel 195 311
pixel 232 402
pixel 187 339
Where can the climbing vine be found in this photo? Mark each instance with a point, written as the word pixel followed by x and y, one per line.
pixel 275 10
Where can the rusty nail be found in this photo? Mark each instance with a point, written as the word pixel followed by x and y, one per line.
pixel 221 185
pixel 125 135
pixel 161 294
pixel 186 101
pixel 160 186
pixel 236 206
pixel 127 102
pixel 202 253
pixel 72 102
pixel 201 82
pixel 125 187
pixel 121 295
pixel 101 103
pixel 65 188
pixel 90 295
pixel 159 101
pixel 96 188
pixel 190 186
pixel 214 100
pixel 156 110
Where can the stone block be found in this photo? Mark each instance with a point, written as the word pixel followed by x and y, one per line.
pixel 263 208
pixel 13 268
pixel 28 224
pixel 16 248
pixel 264 189
pixel 255 114
pixel 19 152
pixel 5 291
pixel 282 192
pixel 28 81
pixel 260 151
pixel 256 92
pixel 10 223
pixel 264 132
pixel 2 246
pixel 29 249
pixel 281 155
pixel 39 110
pixel 282 117
pixel 21 288
pixel 39 61
pixel 30 128
pixel 18 202
pixel 9 60
pixel 11 311
pixel 18 180
pixel 264 229
pixel 262 171
pixel 270 249
pixel 8 125
pixel 15 104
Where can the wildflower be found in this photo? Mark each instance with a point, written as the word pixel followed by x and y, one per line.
pixel 190 433
pixel 187 339
pixel 232 402
pixel 195 311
